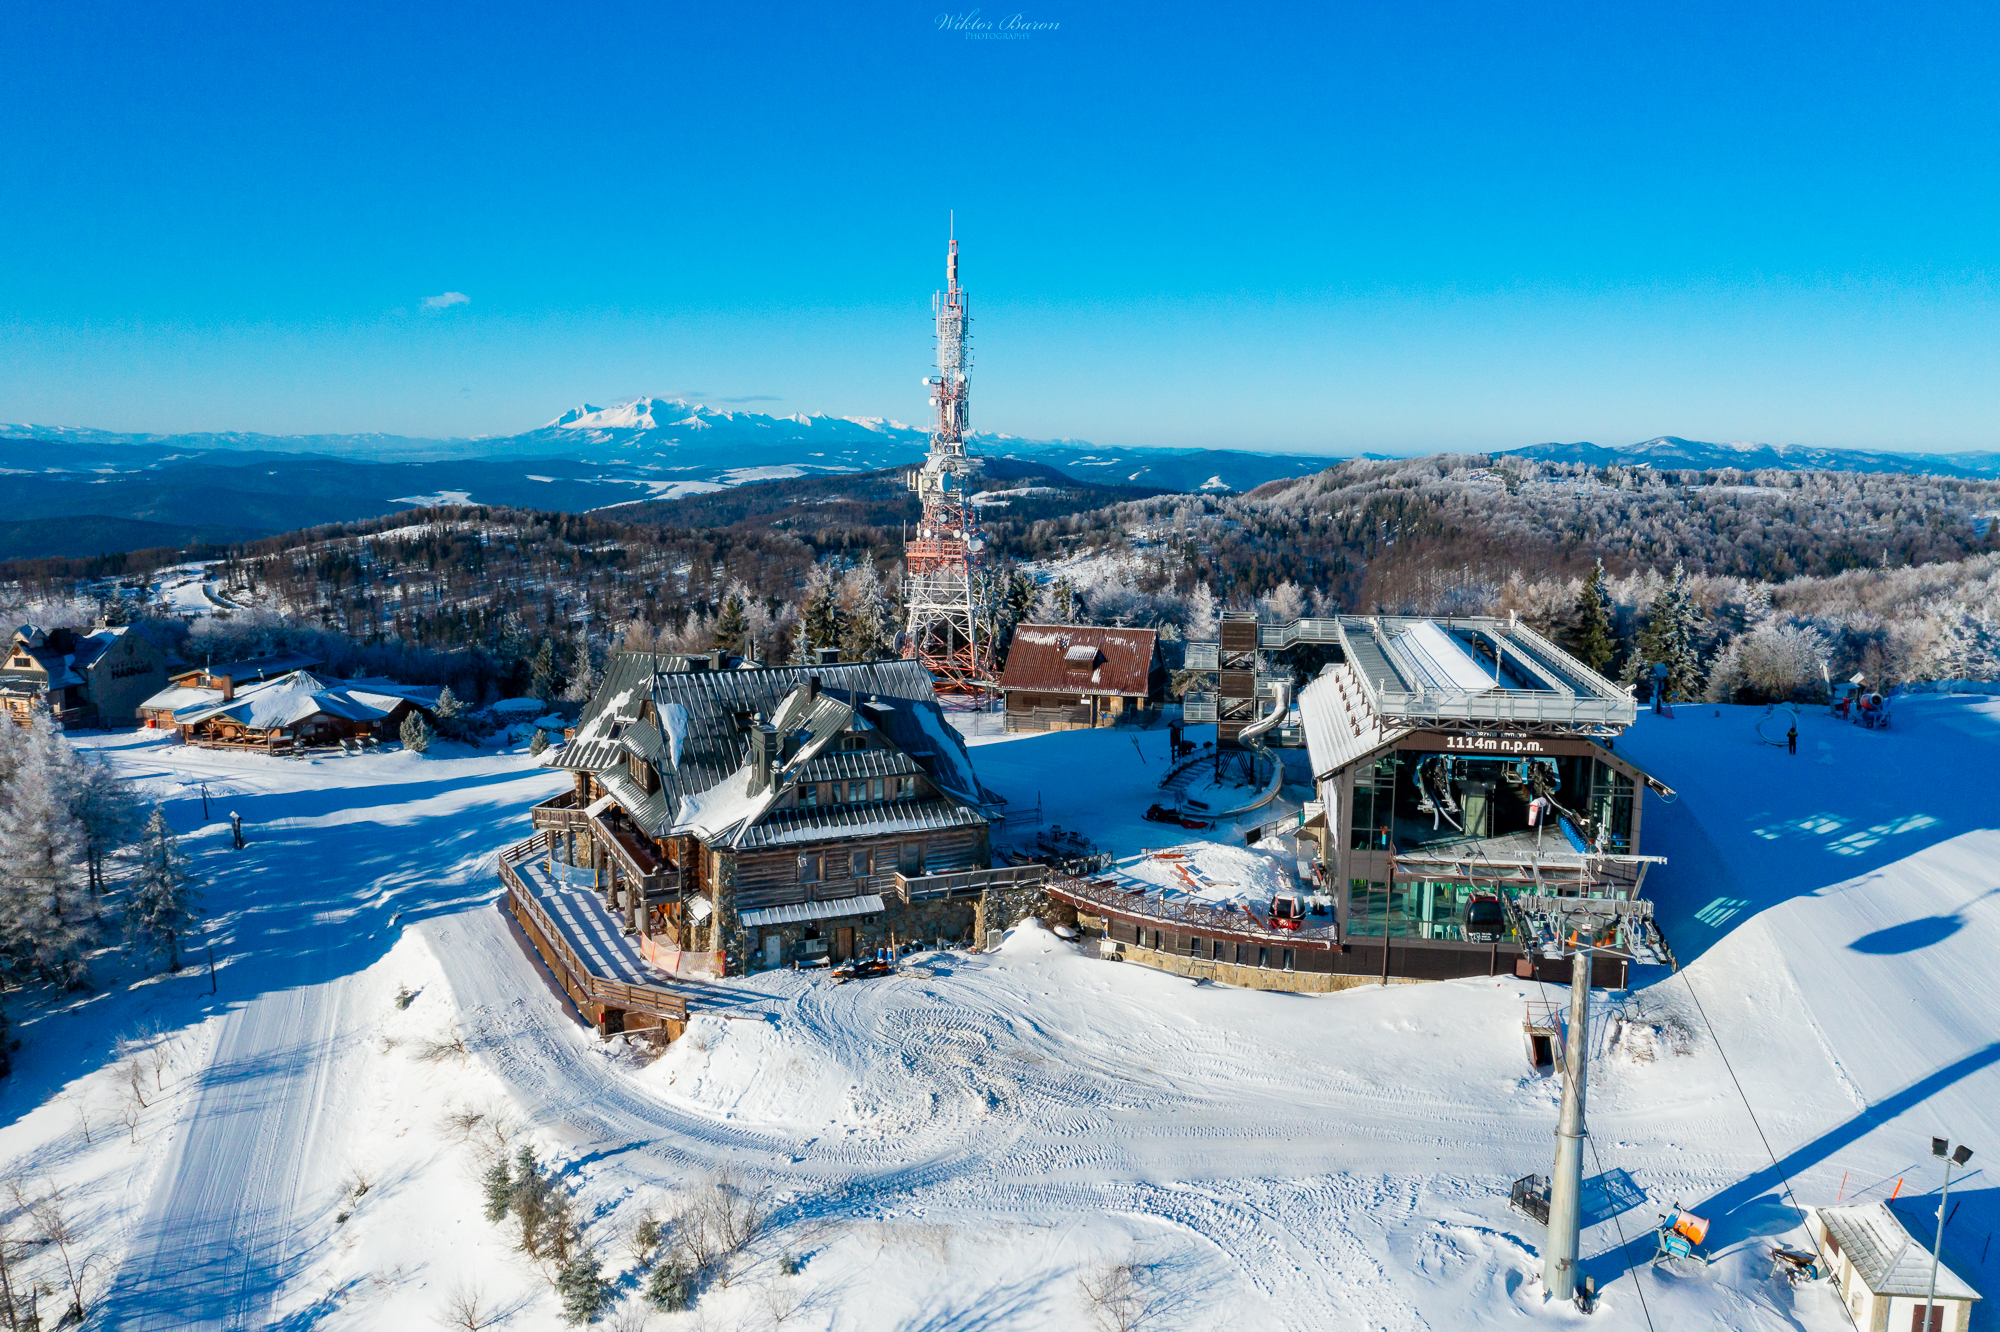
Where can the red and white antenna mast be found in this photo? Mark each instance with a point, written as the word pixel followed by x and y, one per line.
pixel 945 590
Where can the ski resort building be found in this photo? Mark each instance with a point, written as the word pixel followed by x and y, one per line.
pixel 291 711
pixel 98 678
pixel 725 821
pixel 1062 677
pixel 1465 766
pixel 1884 1272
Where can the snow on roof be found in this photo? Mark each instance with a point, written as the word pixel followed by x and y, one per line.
pixel 1089 658
pixel 1886 1257
pixel 1439 657
pixel 517 705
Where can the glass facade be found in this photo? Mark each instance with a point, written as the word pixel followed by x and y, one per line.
pixel 1420 909
pixel 1374 804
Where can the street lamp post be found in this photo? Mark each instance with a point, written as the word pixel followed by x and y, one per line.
pixel 1944 1151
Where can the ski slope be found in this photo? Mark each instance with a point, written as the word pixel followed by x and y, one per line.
pixel 951 1146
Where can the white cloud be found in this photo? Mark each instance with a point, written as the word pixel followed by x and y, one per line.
pixel 439 302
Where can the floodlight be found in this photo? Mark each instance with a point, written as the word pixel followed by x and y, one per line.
pixel 1962 1155
pixel 1940 1148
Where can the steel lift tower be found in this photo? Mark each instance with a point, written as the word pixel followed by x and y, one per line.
pixel 946 591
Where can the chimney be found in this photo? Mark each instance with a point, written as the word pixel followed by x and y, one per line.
pixel 812 689
pixel 718 660
pixel 829 656
pixel 763 753
pixel 228 687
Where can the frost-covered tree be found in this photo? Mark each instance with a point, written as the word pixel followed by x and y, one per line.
pixel 161 905
pixel 45 907
pixel 732 624
pixel 582 682
pixel 1672 637
pixel 544 682
pixel 868 618
pixel 1061 602
pixel 1771 663
pixel 580 1285
pixel 1590 635
pixel 416 732
pixel 1286 603
pixel 538 743
pixel 106 812
pixel 497 1185
pixel 824 625
pixel 1201 618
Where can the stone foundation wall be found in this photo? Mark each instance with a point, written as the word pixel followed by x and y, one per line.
pixel 1254 978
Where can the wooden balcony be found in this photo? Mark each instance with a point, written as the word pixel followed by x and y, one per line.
pixel 558 813
pixel 966 883
pixel 635 857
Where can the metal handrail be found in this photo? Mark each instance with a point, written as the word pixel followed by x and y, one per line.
pixel 1210 920
pixel 599 989
pixel 920 887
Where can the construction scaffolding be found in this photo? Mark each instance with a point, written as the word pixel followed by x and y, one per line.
pixel 946 591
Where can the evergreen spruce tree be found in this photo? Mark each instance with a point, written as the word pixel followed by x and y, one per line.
pixel 450 715
pixel 45 908
pixel 1672 637
pixel 498 1185
pixel 542 679
pixel 869 621
pixel 582 674
pixel 106 811
pixel 732 625
pixel 538 743
pixel 1590 636
pixel 580 1285
pixel 823 626
pixel 161 907
pixel 670 1287
pixel 416 732
pixel 1202 621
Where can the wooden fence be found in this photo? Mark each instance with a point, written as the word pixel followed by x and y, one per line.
pixel 1100 897
pixel 582 984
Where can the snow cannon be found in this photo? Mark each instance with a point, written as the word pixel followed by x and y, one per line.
pixel 1681 1235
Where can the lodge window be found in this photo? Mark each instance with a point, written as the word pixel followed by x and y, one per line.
pixel 878 788
pixel 1288 959
pixel 857 865
pixel 1263 957
pixel 1242 954
pixel 1194 947
pixel 809 869
pixel 809 795
pixel 906 788
pixel 1218 950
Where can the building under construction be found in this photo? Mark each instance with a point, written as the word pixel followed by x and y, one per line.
pixel 946 590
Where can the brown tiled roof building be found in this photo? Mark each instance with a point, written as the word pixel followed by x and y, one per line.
pixel 1063 676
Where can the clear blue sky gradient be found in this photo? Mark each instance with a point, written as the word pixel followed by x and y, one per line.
pixel 1306 228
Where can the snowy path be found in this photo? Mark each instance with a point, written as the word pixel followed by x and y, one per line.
pixel 223 1233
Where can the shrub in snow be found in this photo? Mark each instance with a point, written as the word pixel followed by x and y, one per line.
pixel 161 906
pixel 539 745
pixel 581 1288
pixel 670 1287
pixel 416 732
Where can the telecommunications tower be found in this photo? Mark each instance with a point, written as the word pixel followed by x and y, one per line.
pixel 946 589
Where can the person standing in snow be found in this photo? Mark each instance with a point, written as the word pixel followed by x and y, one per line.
pixel 1792 740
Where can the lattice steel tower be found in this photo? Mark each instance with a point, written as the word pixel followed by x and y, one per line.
pixel 946 591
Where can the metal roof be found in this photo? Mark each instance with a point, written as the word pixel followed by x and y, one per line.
pixel 1886 1257
pixel 867 904
pixel 1081 659
pixel 784 827
pixel 694 728
pixel 1419 671
pixel 1340 726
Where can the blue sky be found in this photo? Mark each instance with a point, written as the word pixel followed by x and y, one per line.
pixel 1309 228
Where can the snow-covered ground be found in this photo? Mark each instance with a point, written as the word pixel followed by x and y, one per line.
pixel 951 1147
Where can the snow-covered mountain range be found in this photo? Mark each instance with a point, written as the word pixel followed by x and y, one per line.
pixel 1670 451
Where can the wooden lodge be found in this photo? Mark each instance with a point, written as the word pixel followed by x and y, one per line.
pixel 1062 677
pixel 296 710
pixel 80 679
pixel 738 819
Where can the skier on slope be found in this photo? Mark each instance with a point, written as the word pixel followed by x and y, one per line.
pixel 1792 740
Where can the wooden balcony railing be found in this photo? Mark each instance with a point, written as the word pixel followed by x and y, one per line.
pixel 580 980
pixel 966 883
pixel 562 811
pixel 1101 896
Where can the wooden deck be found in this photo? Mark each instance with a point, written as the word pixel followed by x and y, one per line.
pixel 596 964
